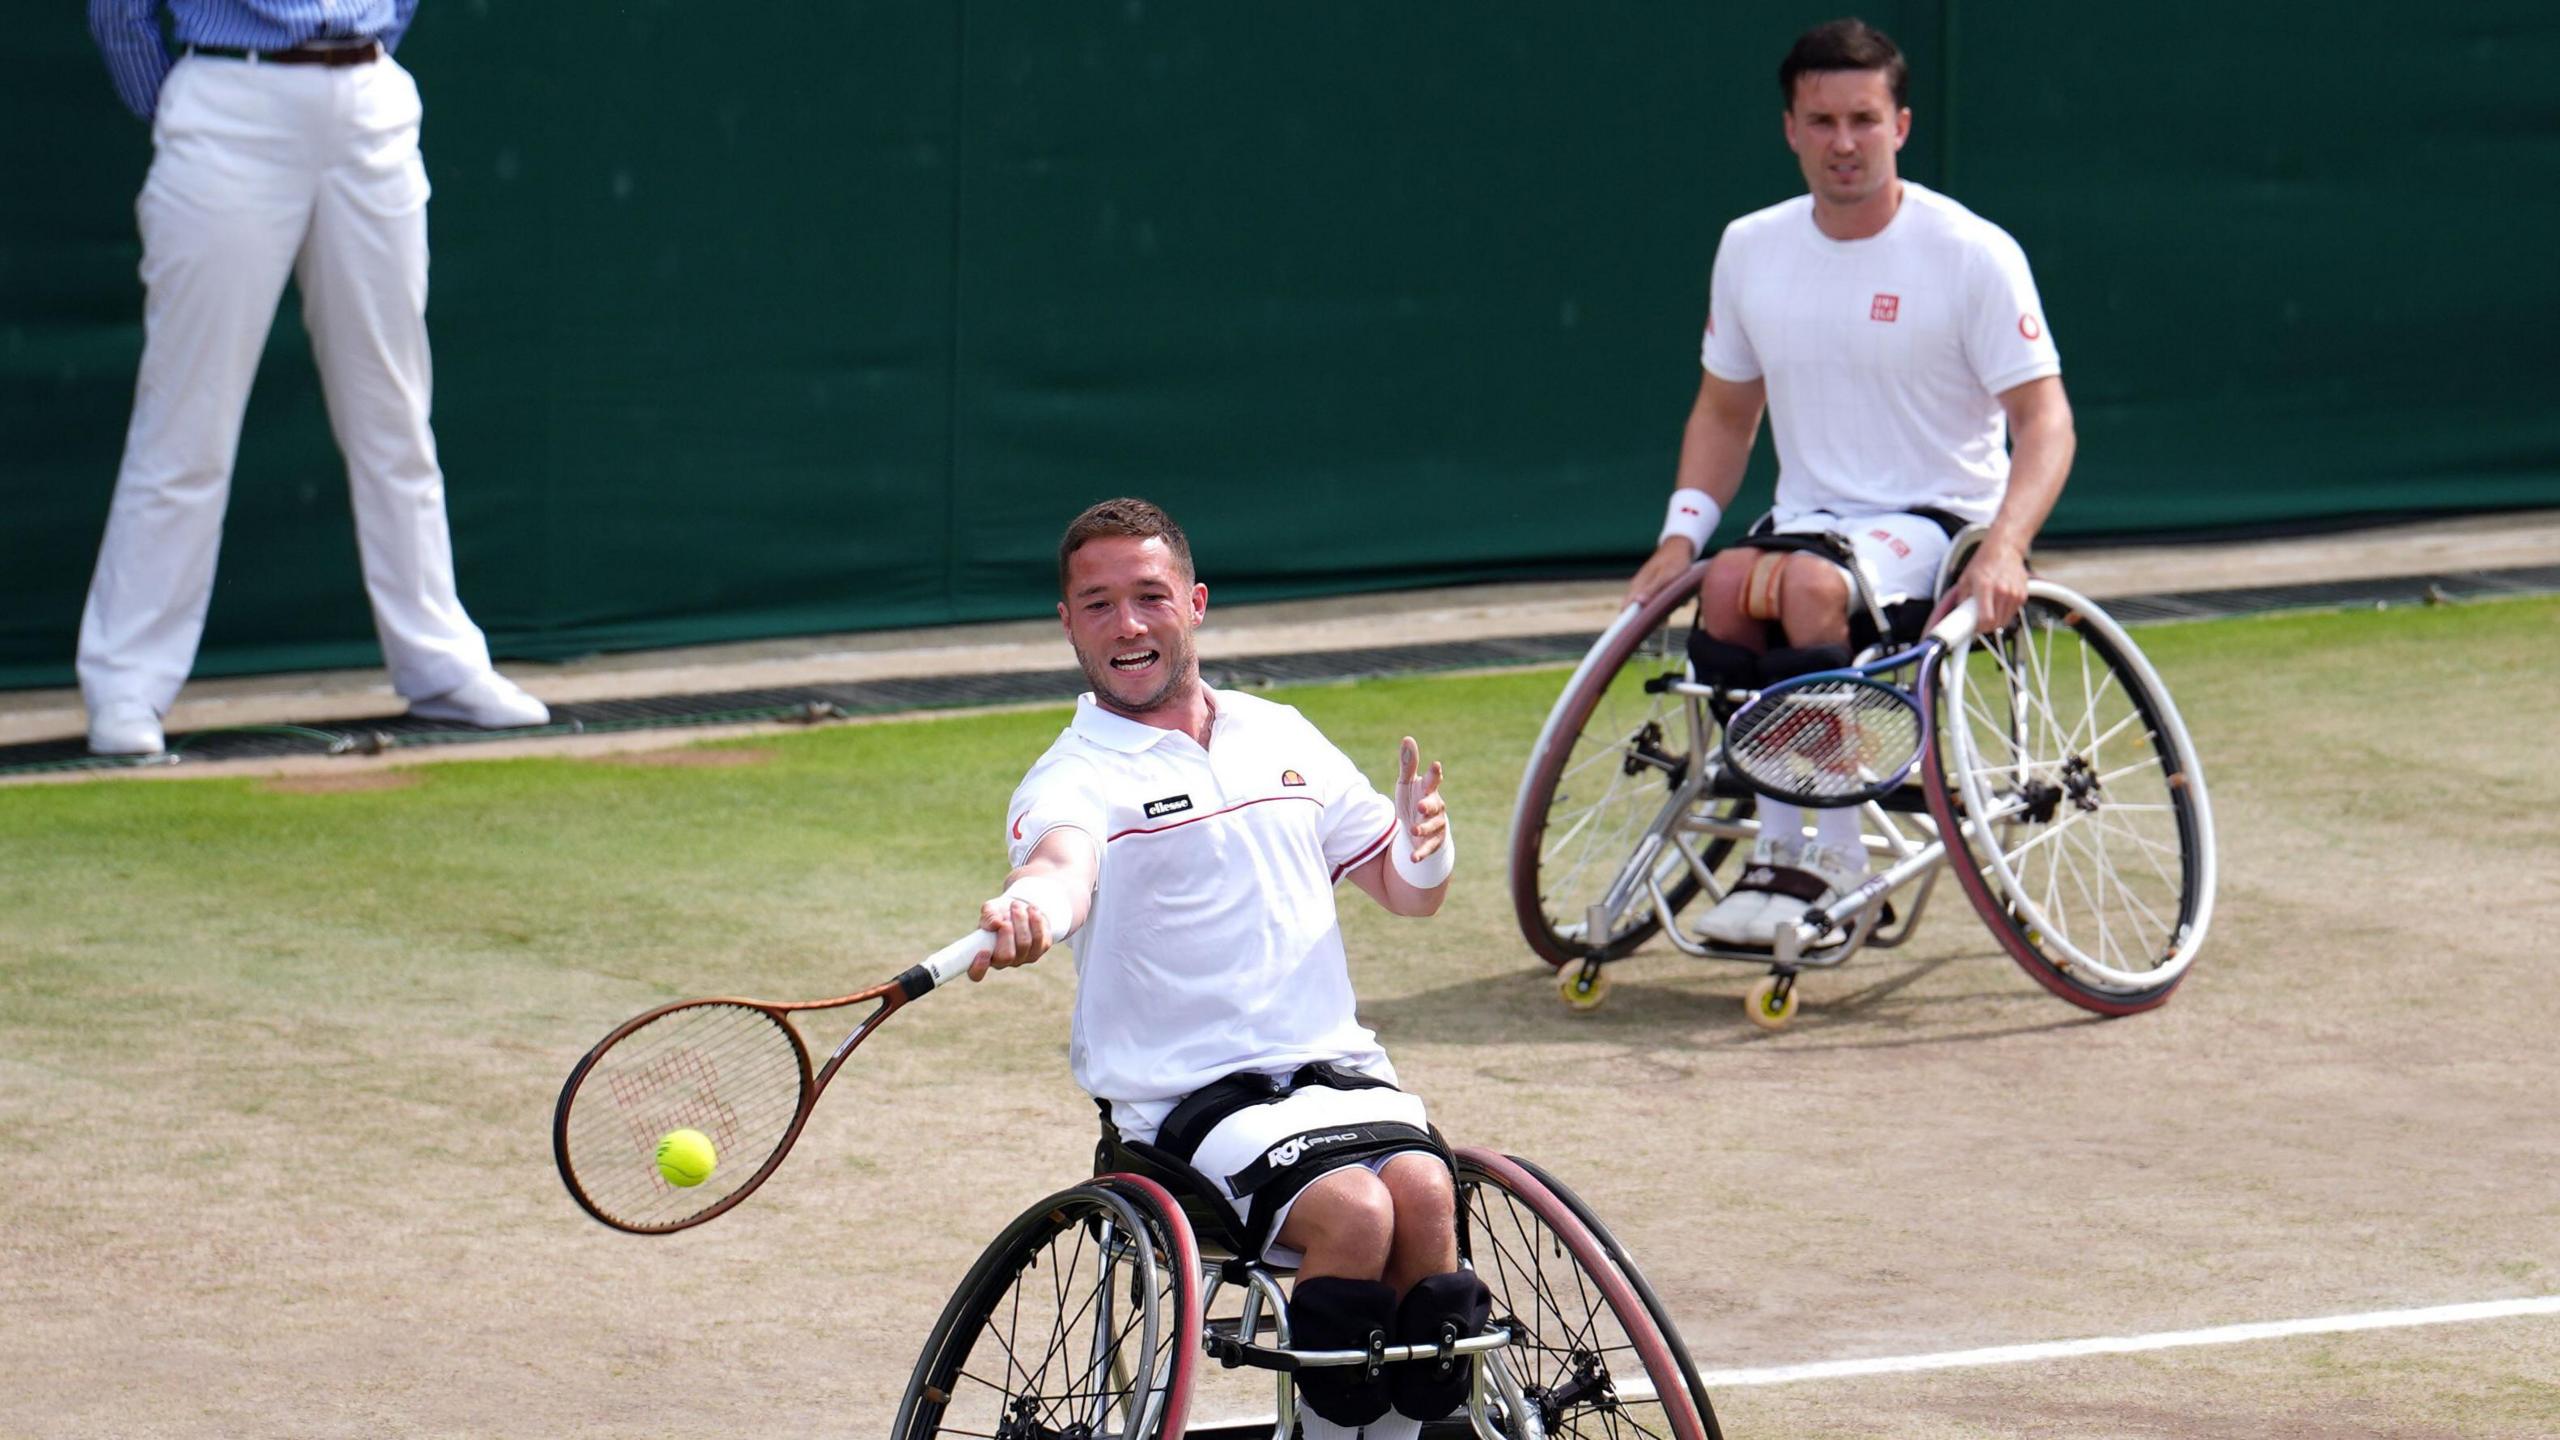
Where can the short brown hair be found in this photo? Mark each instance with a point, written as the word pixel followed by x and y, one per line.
pixel 1850 44
pixel 1138 519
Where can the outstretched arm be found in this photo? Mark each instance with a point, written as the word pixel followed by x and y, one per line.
pixel 1411 876
pixel 1043 901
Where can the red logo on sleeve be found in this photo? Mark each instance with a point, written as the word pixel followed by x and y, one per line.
pixel 2031 327
pixel 1885 308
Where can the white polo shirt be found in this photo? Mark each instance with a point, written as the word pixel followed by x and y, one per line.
pixel 1885 357
pixel 1213 945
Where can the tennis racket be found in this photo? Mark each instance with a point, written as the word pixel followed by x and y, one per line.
pixel 735 1072
pixel 1840 737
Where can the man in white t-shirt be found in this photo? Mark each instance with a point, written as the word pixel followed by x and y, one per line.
pixel 1896 341
pixel 1191 840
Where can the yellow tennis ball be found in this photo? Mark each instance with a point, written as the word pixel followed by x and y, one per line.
pixel 685 1157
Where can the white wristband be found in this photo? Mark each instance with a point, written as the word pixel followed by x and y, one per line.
pixel 1051 896
pixel 1693 516
pixel 1427 874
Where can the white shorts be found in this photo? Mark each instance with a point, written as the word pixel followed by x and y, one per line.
pixel 1899 553
pixel 1256 1131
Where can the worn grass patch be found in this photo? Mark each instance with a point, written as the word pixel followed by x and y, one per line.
pixel 276 1071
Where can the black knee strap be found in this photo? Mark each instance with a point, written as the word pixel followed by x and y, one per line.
pixel 1438 1310
pixel 1797 660
pixel 1722 663
pixel 1332 1313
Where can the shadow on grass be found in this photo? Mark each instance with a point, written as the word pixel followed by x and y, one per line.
pixel 1697 1006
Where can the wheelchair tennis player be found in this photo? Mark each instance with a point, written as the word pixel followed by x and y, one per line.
pixel 1897 343
pixel 1192 840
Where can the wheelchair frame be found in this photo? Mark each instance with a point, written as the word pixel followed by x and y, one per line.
pixel 1140 1327
pixel 2119 945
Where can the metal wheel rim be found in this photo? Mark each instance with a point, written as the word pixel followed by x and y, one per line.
pixel 2047 870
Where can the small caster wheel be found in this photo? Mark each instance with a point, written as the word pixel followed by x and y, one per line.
pixel 1770 1004
pixel 1584 986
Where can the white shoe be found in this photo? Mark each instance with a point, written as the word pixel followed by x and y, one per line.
pixel 1838 874
pixel 125 727
pixel 1736 918
pixel 490 702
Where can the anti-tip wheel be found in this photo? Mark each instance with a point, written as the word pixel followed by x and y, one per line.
pixel 1769 1006
pixel 1584 986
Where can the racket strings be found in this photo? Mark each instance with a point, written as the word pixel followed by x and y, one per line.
pixel 1826 740
pixel 732 1072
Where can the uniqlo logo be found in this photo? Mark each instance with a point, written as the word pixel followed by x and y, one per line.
pixel 1885 308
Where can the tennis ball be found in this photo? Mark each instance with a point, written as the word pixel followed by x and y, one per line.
pixel 685 1157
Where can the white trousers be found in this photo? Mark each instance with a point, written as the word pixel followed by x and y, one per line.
pixel 257 172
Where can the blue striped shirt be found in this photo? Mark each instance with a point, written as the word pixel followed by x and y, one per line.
pixel 128 32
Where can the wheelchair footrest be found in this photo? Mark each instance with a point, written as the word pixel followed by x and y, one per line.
pixel 1233 1353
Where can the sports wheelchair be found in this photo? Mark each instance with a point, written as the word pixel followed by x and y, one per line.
pixel 1090 1317
pixel 2055 781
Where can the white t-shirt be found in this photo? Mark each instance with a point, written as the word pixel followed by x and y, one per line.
pixel 1213 945
pixel 1885 357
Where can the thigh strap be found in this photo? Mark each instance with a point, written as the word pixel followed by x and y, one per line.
pixel 1760 587
pixel 1204 1109
pixel 1288 1168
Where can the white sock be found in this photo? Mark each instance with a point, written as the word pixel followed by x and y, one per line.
pixel 1843 833
pixel 1781 822
pixel 1315 1427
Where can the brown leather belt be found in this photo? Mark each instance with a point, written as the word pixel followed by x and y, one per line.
pixel 364 54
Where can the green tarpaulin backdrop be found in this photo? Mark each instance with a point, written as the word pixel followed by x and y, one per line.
pixel 827 317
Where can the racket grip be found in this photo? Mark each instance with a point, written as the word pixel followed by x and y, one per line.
pixel 1959 624
pixel 947 964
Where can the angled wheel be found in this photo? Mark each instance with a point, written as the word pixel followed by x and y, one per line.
pixel 1597 796
pixel 1081 1322
pixel 2094 866
pixel 1592 1352
pixel 1652 1303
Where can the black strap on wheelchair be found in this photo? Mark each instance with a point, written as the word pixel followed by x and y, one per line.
pixel 1303 1159
pixel 1204 1109
pixel 1312 1152
pixel 1946 520
pixel 1898 622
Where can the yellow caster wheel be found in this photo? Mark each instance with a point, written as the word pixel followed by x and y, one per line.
pixel 1769 1007
pixel 1583 987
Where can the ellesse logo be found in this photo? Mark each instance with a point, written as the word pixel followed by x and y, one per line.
pixel 1169 805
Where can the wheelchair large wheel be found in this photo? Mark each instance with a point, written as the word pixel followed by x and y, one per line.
pixel 1612 757
pixel 2095 866
pixel 1081 1322
pixel 1590 1351
pixel 1653 1305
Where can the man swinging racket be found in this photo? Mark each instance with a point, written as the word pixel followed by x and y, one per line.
pixel 1896 341
pixel 1191 840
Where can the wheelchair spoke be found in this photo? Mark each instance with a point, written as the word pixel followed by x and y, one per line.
pixel 1571 1353
pixel 1066 1328
pixel 1597 806
pixel 2100 880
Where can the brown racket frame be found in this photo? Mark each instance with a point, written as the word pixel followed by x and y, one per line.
pixel 914 984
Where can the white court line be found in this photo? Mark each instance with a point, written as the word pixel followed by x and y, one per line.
pixel 2130 1344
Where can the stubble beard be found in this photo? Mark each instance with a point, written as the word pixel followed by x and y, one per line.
pixel 1181 678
